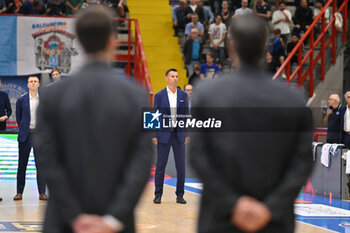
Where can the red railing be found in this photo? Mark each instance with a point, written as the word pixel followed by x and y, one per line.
pixel 319 132
pixel 136 55
pixel 309 34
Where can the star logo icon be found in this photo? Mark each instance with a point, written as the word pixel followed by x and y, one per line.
pixel 156 115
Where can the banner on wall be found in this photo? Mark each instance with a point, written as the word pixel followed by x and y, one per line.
pixel 38 44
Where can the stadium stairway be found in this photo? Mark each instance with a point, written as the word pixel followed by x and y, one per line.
pixel 161 48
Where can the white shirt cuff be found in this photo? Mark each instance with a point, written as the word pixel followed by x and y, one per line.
pixel 113 222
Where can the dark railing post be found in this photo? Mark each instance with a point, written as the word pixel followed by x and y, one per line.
pixel 323 72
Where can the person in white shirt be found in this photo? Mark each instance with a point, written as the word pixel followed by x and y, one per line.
pixel 345 121
pixel 244 9
pixel 217 35
pixel 318 7
pixel 282 19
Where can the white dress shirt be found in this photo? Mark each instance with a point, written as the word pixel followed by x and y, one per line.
pixel 347 120
pixel 283 26
pixel 172 97
pixel 193 7
pixel 33 105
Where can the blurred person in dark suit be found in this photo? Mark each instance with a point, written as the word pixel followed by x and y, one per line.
pixel 5 109
pixel 252 172
pixel 94 182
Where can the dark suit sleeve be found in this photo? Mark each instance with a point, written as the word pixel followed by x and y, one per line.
pixel 298 168
pixel 19 111
pixel 52 164
pixel 136 173
pixel 202 158
pixel 8 106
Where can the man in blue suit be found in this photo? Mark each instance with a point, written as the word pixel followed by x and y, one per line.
pixel 26 106
pixel 171 101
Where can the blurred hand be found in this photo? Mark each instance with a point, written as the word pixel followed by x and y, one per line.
pixel 155 141
pixel 88 223
pixel 250 215
pixel 3 118
pixel 175 23
pixel 298 26
pixel 187 140
pixel 329 111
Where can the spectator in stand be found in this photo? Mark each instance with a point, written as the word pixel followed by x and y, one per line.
pixel 270 64
pixel 39 7
pixel 278 48
pixel 194 8
pixel 11 6
pixel 226 13
pixel 92 2
pixel 244 9
pixel 195 77
pixel 3 7
pixel 56 8
pixel 179 17
pixel 217 35
pixel 27 8
pixel 282 19
pixel 291 45
pixel 119 6
pixel 188 88
pixel 317 9
pixel 72 6
pixel 303 17
pixel 209 70
pixel 262 9
pixel 192 51
pixel 194 24
pixel 208 15
pixel 333 119
pixel 215 6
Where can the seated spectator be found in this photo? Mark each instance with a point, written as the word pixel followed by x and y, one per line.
pixel 195 77
pixel 194 8
pixel 209 70
pixel 303 17
pixel 179 17
pixel 3 7
pixel 208 15
pixel 263 10
pixel 194 24
pixel 244 9
pixel 192 51
pixel 39 7
pixel 56 8
pixel 120 7
pixel 282 19
pixel 270 64
pixel 278 47
pixel 217 35
pixel 291 45
pixel 72 6
pixel 12 6
pixel 93 2
pixel 27 8
pixel 317 9
pixel 226 13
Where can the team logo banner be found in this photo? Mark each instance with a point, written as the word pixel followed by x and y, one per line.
pixel 38 44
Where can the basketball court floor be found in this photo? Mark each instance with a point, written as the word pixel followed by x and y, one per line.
pixel 313 213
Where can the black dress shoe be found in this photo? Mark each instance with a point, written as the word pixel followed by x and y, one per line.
pixel 0 199
pixel 180 200
pixel 157 200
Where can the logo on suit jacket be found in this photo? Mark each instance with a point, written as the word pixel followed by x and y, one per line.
pixel 151 119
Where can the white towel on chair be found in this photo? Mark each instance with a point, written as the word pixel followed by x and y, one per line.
pixel 325 154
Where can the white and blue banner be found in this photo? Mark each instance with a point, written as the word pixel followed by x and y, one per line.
pixel 31 45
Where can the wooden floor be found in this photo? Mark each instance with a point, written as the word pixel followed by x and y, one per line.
pixel 167 217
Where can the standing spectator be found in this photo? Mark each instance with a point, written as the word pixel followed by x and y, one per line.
pixel 345 121
pixel 278 48
pixel 27 8
pixel 55 75
pixel 192 51
pixel 209 70
pixel 188 88
pixel 209 17
pixel 317 9
pixel 194 8
pixel 3 7
pixel 244 9
pixel 39 7
pixel 303 17
pixel 5 109
pixel 291 45
pixel 26 117
pixel 226 13
pixel 56 8
pixel 282 19
pixel 332 119
pixel 270 64
pixel 72 6
pixel 195 77
pixel 194 24
pixel 263 10
pixel 216 6
pixel 217 35
pixel 179 17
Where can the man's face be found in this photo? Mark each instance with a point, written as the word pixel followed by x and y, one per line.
pixel 195 19
pixel 183 4
pixel 194 34
pixel 318 5
pixel 172 78
pixel 294 39
pixel 347 99
pixel 33 83
pixel 224 4
pixel 332 100
pixel 218 19
pixel 56 76
pixel 200 3
pixel 189 90
pixel 303 3
pixel 244 3
pixel 193 2
pixel 209 59
pixel 282 7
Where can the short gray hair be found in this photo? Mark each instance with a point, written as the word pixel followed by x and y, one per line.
pixel 346 93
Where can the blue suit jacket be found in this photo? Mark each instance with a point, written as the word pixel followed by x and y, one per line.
pixel 161 102
pixel 23 117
